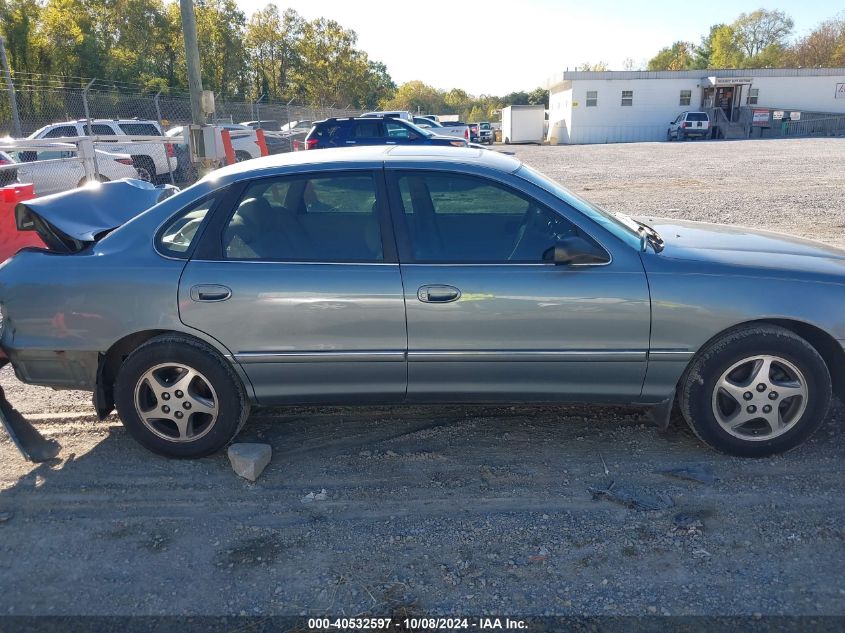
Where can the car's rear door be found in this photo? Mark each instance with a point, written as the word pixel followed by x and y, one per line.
pixel 490 318
pixel 298 277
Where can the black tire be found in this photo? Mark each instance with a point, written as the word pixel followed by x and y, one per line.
pixel 146 168
pixel 697 388
pixel 232 404
pixel 682 136
pixel 669 135
pixel 241 156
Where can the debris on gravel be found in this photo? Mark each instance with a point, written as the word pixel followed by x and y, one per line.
pixel 702 473
pixel 249 459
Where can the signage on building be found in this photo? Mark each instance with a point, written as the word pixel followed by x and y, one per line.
pixel 760 117
pixel 840 91
pixel 795 116
pixel 731 81
pixel 777 115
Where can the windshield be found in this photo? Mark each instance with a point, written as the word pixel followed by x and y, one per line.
pixel 621 225
pixel 485 126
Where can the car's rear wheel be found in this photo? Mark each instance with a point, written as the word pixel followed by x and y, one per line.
pixel 180 398
pixel 756 391
pixel 241 156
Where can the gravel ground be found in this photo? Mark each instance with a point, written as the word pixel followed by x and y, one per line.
pixel 456 510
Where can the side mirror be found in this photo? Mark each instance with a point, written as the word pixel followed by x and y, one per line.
pixel 576 251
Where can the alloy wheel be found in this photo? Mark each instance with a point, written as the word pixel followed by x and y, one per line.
pixel 176 402
pixel 760 397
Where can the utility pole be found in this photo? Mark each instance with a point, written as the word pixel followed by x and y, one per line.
pixel 192 55
pixel 13 102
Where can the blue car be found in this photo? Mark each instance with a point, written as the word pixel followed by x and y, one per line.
pixel 372 131
pixel 415 275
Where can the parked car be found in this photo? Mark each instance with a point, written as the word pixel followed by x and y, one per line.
pixel 267 126
pixel 689 125
pixel 371 131
pixel 485 133
pixel 153 162
pixel 243 141
pixel 389 114
pixel 57 169
pixel 515 290
pixel 296 126
pixel 8 176
pixel 456 129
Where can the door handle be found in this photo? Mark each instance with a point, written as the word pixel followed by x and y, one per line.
pixel 210 292
pixel 438 294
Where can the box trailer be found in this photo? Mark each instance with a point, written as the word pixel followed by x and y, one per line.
pixel 523 124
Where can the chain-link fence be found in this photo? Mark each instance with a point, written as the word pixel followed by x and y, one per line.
pixel 41 103
pixel 49 101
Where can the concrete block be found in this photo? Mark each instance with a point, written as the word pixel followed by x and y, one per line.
pixel 249 460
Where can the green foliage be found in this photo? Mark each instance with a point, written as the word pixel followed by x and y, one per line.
pixel 759 39
pixel 679 56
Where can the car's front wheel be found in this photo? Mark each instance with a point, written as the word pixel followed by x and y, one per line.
pixel 178 397
pixel 756 391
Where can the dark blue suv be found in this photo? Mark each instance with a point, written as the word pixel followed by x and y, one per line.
pixel 371 131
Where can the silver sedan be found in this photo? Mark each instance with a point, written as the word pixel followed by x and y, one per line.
pixel 417 275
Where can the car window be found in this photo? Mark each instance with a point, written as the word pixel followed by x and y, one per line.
pixel 331 218
pixel 368 129
pixel 329 133
pixel 464 219
pixel 396 130
pixel 100 129
pixel 62 130
pixel 697 116
pixel 139 129
pixel 179 233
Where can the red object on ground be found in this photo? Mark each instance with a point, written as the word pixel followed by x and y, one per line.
pixel 12 240
pixel 227 147
pixel 262 144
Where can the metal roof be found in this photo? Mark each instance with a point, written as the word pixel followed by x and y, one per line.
pixel 571 75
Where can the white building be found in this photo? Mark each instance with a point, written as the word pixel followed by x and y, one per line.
pixel 624 106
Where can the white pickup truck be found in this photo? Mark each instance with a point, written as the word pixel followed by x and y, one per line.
pixel 456 128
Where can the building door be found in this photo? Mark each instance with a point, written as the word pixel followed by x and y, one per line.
pixel 725 100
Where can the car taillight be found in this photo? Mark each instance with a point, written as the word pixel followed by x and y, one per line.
pixel 170 152
pixel 684 124
pixel 123 161
pixel 466 134
pixel 310 143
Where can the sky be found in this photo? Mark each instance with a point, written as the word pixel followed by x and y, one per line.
pixel 497 46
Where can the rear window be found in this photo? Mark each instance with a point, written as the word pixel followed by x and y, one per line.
pixel 140 129
pixel 327 132
pixel 697 116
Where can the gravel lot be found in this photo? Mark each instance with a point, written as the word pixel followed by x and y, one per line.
pixel 456 510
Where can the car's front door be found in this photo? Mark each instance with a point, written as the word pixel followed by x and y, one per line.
pixel 298 279
pixel 491 317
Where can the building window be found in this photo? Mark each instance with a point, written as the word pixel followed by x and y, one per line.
pixel 592 98
pixel 753 94
pixel 627 97
pixel 686 97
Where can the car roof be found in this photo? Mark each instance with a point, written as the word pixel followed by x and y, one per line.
pixel 370 154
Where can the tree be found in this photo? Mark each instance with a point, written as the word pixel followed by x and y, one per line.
pixel 725 51
pixel 597 67
pixel 539 96
pixel 823 47
pixel 679 56
pixel 416 95
pixel 761 29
